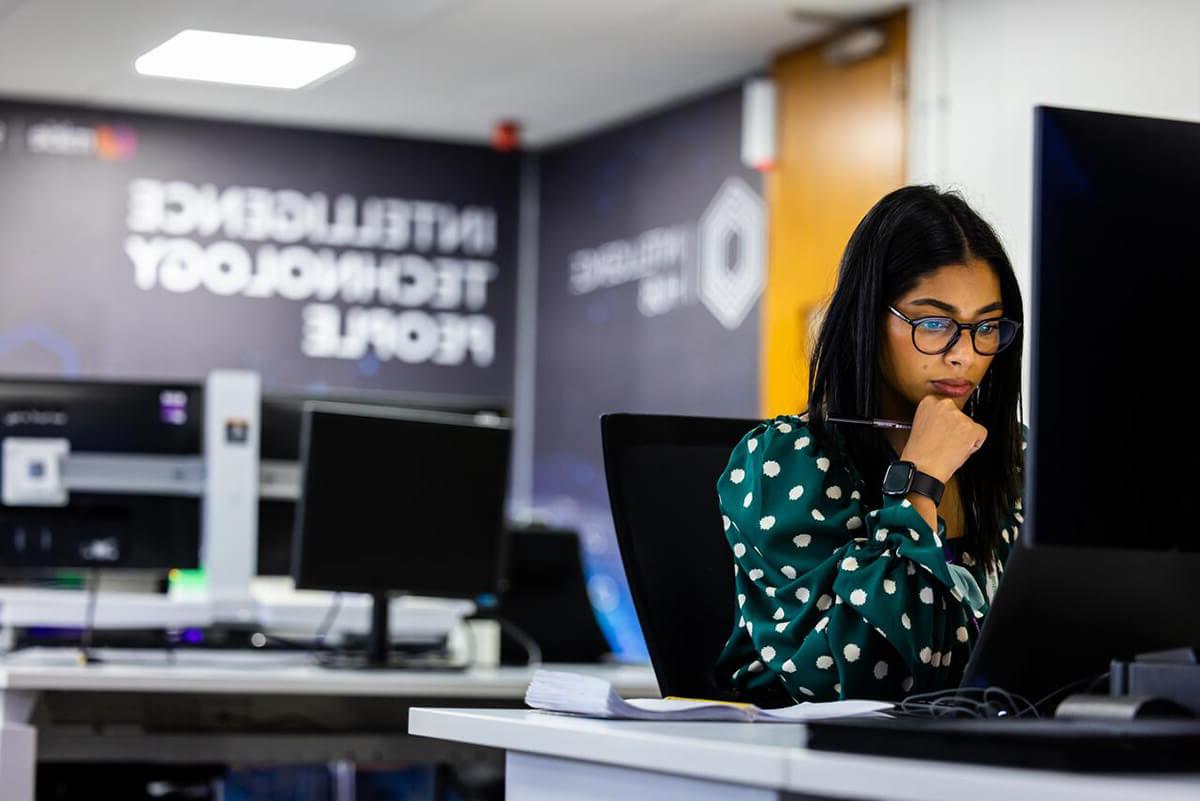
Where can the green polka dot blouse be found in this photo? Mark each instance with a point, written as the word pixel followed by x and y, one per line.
pixel 834 599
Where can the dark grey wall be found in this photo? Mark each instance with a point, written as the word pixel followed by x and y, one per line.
pixel 651 261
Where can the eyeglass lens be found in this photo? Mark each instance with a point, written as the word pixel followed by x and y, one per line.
pixel 933 334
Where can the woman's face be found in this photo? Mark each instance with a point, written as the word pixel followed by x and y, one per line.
pixel 965 292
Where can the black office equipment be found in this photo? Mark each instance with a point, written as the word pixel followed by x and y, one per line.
pixel 1149 746
pixel 1106 567
pixel 544 596
pixel 1115 570
pixel 662 484
pixel 107 437
pixel 279 444
pixel 400 501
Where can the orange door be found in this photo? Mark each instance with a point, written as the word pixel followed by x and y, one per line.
pixel 841 146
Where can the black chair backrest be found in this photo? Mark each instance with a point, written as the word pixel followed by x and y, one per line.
pixel 662 475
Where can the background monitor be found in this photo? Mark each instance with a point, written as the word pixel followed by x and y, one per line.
pixel 282 415
pixel 92 528
pixel 400 501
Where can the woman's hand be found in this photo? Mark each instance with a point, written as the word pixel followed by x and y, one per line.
pixel 942 437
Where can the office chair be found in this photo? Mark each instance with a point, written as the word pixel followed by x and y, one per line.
pixel 662 484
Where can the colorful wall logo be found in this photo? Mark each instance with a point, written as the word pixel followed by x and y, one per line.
pixel 105 142
pixel 116 142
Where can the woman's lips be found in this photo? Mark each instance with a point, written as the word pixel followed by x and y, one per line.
pixel 952 390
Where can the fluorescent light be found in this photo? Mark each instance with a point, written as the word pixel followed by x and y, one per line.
pixel 246 60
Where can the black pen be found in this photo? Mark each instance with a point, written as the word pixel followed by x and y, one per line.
pixel 876 422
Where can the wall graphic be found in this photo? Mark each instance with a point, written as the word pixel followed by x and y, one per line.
pixel 652 261
pixel 136 245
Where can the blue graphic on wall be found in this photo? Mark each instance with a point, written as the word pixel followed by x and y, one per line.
pixel 652 260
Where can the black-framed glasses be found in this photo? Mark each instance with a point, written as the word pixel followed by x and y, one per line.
pixel 934 335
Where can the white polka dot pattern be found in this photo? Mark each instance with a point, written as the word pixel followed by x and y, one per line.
pixel 791 512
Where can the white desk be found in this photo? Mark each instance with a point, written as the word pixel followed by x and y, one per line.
pixel 577 759
pixel 51 706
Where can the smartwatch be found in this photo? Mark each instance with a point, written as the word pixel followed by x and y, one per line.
pixel 903 477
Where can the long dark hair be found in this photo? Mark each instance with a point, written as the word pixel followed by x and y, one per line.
pixel 909 233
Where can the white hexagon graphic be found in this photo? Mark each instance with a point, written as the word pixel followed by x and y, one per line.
pixel 729 290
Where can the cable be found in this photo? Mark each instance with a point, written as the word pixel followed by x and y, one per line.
pixel 533 652
pixel 471 644
pixel 959 701
pixel 1092 680
pixel 85 639
pixel 331 614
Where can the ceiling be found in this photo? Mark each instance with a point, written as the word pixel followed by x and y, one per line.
pixel 444 69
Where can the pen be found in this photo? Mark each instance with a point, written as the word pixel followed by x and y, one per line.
pixel 876 422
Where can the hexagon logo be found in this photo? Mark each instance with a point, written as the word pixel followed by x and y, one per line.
pixel 732 255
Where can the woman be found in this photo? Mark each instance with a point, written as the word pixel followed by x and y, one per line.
pixel 845 590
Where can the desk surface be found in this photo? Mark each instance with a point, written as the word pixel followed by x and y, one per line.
pixel 772 755
pixel 41 669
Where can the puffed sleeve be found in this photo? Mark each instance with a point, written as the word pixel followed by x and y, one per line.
pixel 834 600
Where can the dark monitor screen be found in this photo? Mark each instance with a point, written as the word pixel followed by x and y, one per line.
pixel 401 501
pixel 1114 436
pixel 282 414
pixel 98 529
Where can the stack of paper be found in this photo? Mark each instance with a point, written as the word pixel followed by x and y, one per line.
pixel 558 691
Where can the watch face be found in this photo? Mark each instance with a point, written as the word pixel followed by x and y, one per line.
pixel 896 479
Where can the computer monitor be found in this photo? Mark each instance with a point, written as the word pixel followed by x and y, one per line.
pixel 400 501
pixel 1108 564
pixel 126 452
pixel 282 415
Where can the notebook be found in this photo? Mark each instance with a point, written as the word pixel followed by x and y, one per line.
pixel 559 691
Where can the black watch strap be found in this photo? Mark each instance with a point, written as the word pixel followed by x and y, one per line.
pixel 927 485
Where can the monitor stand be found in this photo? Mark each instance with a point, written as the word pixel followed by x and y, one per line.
pixel 377 639
pixel 379 655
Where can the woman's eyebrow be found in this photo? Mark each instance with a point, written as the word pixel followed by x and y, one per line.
pixel 997 306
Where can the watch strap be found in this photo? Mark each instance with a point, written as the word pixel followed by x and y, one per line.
pixel 927 485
